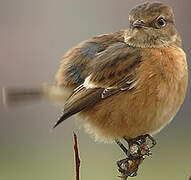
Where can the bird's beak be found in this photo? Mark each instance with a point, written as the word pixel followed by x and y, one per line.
pixel 139 24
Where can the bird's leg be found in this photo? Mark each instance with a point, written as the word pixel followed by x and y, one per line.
pixel 128 166
pixel 124 149
pixel 123 164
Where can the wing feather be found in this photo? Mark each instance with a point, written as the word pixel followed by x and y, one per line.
pixel 121 61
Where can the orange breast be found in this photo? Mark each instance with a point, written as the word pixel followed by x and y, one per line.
pixel 160 90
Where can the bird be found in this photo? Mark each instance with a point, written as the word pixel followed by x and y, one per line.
pixel 125 84
pixel 131 82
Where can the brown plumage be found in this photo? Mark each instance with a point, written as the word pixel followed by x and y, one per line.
pixel 127 83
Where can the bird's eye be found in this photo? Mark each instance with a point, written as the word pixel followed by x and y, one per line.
pixel 161 22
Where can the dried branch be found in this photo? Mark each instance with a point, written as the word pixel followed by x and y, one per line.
pixel 77 159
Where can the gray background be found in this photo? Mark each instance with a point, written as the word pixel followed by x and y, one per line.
pixel 34 35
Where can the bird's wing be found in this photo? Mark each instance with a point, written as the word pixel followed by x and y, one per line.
pixel 75 63
pixel 112 71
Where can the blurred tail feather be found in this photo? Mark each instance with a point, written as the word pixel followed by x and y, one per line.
pixel 15 96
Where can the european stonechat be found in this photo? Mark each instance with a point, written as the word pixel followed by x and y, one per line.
pixel 124 84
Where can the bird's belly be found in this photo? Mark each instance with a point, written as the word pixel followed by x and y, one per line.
pixel 130 115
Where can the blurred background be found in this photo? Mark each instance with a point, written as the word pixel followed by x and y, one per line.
pixel 34 35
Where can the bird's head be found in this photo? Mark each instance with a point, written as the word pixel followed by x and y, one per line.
pixel 152 25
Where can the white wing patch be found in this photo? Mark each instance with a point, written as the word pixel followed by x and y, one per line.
pixel 87 84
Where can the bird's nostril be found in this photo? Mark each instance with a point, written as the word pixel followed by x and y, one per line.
pixel 139 23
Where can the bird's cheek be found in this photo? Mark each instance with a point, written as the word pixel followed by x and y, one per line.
pixel 141 34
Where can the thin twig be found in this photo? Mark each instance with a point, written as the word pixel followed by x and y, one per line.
pixel 77 159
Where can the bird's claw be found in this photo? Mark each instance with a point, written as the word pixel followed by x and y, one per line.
pixel 128 167
pixel 139 147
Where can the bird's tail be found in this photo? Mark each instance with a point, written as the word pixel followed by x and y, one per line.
pixel 15 96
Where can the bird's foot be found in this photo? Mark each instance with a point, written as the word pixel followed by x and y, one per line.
pixel 128 167
pixel 148 139
pixel 139 147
